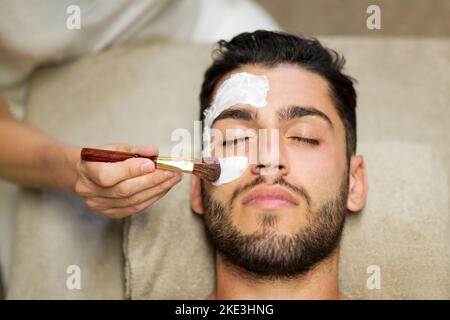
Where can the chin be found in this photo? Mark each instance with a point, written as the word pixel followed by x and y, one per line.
pixel 285 221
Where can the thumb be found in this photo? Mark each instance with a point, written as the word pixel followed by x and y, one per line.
pixel 110 174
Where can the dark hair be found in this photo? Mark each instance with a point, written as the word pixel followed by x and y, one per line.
pixel 268 49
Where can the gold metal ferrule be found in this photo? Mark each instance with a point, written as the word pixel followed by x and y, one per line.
pixel 178 164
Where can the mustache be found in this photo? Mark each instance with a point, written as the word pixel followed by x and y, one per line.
pixel 298 190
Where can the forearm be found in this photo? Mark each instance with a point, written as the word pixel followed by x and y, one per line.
pixel 33 159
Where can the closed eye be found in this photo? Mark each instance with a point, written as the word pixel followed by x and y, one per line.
pixel 314 142
pixel 234 141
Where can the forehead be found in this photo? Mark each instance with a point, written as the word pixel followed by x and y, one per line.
pixel 291 85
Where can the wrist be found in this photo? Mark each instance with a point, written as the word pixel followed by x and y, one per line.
pixel 65 168
pixel 72 155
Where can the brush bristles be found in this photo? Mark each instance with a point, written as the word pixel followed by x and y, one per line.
pixel 208 171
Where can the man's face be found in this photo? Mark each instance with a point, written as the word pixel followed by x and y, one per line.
pixel 282 223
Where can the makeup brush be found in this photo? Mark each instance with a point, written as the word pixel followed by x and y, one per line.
pixel 208 169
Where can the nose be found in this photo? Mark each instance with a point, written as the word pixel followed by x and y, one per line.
pixel 271 158
pixel 269 170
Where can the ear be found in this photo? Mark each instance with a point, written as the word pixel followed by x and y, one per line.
pixel 358 184
pixel 196 195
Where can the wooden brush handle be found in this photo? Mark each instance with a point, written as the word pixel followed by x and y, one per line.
pixel 100 155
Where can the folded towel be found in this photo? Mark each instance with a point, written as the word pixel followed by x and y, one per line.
pixel 123 99
pixel 55 232
pixel 167 253
pixel 404 230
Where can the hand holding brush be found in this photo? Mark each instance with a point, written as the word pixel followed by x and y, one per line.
pixel 120 189
pixel 208 170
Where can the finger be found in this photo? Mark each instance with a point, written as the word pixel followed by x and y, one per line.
pixel 129 187
pixel 97 172
pixel 126 188
pixel 101 203
pixel 117 213
pixel 146 151
pixel 106 174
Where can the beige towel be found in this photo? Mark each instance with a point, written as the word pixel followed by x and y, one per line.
pixel 121 96
pixel 116 96
pixel 404 230
pixel 55 232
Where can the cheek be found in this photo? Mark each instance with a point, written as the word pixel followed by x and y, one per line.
pixel 318 162
pixel 221 193
pixel 319 170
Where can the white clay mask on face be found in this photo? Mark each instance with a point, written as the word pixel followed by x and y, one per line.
pixel 231 168
pixel 240 88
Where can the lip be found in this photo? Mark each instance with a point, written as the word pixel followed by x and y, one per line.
pixel 269 197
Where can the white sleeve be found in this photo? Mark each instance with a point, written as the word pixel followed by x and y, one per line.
pixel 33 33
pixel 219 19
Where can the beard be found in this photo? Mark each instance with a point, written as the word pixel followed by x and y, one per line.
pixel 271 255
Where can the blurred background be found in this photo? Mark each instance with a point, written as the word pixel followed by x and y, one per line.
pixel 428 18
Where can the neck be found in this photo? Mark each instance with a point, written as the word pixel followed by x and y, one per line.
pixel 321 282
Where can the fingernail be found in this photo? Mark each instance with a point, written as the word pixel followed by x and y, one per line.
pixel 147 167
pixel 168 174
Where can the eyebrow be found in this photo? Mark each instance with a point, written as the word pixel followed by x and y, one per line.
pixel 237 114
pixel 286 114
pixel 293 112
